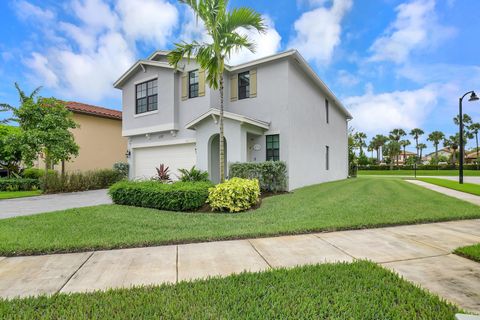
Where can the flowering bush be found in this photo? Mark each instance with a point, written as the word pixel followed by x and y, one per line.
pixel 234 195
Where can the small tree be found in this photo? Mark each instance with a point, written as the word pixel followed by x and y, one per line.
pixel 435 137
pixel 360 138
pixel 10 151
pixel 392 150
pixel 474 128
pixel 421 146
pixel 404 144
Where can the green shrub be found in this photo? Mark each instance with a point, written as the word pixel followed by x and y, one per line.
pixel 272 175
pixel 122 167
pixel 35 173
pixel 19 184
pixel 193 175
pixel 178 196
pixel 234 195
pixel 419 167
pixel 81 181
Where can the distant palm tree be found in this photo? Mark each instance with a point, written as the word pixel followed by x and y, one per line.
pixel 474 128
pixel 360 138
pixel 379 141
pixel 466 119
pixel 435 137
pixel 404 144
pixel 396 135
pixel 5 107
pixel 222 26
pixel 452 142
pixel 421 146
pixel 416 133
pixel 371 148
pixel 392 149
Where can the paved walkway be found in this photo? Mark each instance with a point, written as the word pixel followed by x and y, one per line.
pixel 449 192
pixel 53 202
pixel 420 253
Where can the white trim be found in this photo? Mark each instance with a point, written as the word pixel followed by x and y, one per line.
pixel 146 79
pixel 269 133
pixel 145 130
pixel 117 84
pixel 146 113
pixel 228 115
pixel 252 63
pixel 164 143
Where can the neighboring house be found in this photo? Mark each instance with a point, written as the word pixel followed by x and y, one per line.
pixel 444 152
pixel 472 157
pixel 407 154
pixel 99 137
pixel 276 108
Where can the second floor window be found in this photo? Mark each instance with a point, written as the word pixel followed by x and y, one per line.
pixel 193 84
pixel 244 85
pixel 273 147
pixel 146 96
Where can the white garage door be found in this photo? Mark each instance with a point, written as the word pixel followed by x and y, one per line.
pixel 173 156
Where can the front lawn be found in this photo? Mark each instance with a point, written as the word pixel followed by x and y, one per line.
pixel 19 194
pixel 465 187
pixel 411 173
pixel 348 204
pixel 361 290
pixel 471 252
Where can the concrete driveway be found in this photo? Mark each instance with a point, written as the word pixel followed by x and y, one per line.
pixel 53 202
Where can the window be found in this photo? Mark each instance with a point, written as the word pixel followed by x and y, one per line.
pixel 327 116
pixel 327 158
pixel 244 85
pixel 193 84
pixel 273 147
pixel 146 96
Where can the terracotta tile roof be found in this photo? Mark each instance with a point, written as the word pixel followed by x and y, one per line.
pixel 93 110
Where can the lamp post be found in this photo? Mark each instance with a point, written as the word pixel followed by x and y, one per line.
pixel 473 97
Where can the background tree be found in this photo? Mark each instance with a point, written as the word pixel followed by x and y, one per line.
pixel 10 151
pixel 221 25
pixel 474 128
pixel 466 120
pixel 391 150
pixel 5 107
pixel 416 133
pixel 435 137
pixel 404 144
pixel 379 141
pixel 453 142
pixel 421 147
pixel 371 148
pixel 396 135
pixel 360 138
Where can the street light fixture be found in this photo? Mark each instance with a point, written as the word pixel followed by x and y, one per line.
pixel 473 97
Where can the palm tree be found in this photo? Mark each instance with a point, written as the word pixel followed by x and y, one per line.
pixel 392 149
pixel 396 135
pixel 404 144
pixel 371 148
pixel 474 128
pixel 379 141
pixel 466 119
pixel 421 146
pixel 452 142
pixel 360 138
pixel 416 133
pixel 435 137
pixel 5 107
pixel 222 26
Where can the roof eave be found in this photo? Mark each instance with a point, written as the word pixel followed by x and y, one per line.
pixel 118 84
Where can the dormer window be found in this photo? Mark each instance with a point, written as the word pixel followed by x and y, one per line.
pixel 193 84
pixel 146 96
pixel 244 85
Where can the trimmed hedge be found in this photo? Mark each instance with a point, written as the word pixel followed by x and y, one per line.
pixel 81 181
pixel 178 196
pixel 419 167
pixel 234 195
pixel 35 173
pixel 272 175
pixel 19 184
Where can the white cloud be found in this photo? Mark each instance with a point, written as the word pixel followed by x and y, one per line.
pixel 346 79
pixel 150 20
pixel 25 10
pixel 39 64
pixel 380 113
pixel 193 28
pixel 95 14
pixel 267 43
pixel 318 31
pixel 415 27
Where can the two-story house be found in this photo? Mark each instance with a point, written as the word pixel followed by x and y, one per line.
pixel 276 108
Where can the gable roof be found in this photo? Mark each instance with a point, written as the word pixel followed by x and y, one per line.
pixel 139 64
pixel 84 108
pixel 212 112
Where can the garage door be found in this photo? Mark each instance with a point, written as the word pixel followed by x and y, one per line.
pixel 173 156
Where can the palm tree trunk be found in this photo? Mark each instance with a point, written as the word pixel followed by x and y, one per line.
pixel 45 183
pixel 404 155
pixel 478 151
pixel 222 138
pixel 436 154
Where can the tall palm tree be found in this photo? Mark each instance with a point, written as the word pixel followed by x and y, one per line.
pixel 360 138
pixel 416 133
pixel 222 26
pixel 371 148
pixel 435 137
pixel 453 142
pixel 379 141
pixel 392 149
pixel 5 107
pixel 404 144
pixel 421 146
pixel 396 135
pixel 474 128
pixel 466 119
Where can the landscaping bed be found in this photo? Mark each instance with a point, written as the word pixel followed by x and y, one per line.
pixel 471 188
pixel 471 252
pixel 360 290
pixel 348 204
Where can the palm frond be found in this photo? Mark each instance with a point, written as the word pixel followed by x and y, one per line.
pixel 244 17
pixel 6 107
pixel 183 50
pixel 21 93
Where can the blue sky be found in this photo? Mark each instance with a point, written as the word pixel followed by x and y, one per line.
pixel 393 63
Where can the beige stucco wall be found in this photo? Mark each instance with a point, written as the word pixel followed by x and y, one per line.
pixel 100 141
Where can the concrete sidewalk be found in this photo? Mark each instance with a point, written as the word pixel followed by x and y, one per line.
pixel 449 192
pixel 420 253
pixel 52 202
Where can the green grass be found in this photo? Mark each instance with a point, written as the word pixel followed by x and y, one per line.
pixel 465 187
pixel 419 172
pixel 361 290
pixel 19 194
pixel 348 204
pixel 471 252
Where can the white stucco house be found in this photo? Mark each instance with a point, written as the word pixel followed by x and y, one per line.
pixel 276 108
